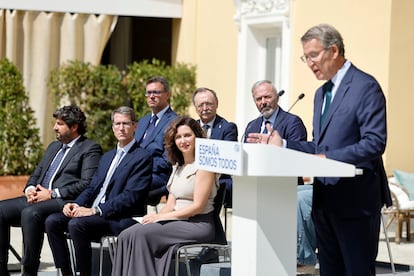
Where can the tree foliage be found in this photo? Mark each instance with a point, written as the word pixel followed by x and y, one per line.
pixel 20 144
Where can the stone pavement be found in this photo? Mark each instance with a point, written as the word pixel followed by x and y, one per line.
pixel 403 253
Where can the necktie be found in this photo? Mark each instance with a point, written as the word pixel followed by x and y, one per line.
pixel 100 198
pixel 205 128
pixel 151 126
pixel 327 89
pixel 265 127
pixel 54 166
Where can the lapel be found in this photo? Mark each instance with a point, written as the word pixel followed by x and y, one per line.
pixel 217 129
pixel 142 127
pixel 73 151
pixel 279 120
pixel 53 151
pixel 124 162
pixel 336 102
pixel 158 128
pixel 256 125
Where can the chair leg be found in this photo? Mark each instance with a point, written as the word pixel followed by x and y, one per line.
pixel 388 244
pixel 398 230
pixel 408 228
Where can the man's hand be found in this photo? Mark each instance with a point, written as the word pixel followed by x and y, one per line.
pixel 272 137
pixel 83 212
pixel 69 209
pixel 30 195
pixel 38 194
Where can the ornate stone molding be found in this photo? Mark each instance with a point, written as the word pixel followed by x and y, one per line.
pixel 261 8
pixel 255 7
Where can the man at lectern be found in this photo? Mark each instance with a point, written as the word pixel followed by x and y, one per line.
pixel 349 125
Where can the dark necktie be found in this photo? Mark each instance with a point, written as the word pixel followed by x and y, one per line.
pixel 327 89
pixel 205 128
pixel 53 166
pixel 151 126
pixel 265 127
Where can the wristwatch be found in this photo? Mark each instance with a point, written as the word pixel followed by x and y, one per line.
pixel 53 194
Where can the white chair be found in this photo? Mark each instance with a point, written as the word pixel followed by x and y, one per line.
pixel 401 211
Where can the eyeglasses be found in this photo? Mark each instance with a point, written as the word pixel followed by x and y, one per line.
pixel 153 92
pixel 124 124
pixel 206 104
pixel 313 56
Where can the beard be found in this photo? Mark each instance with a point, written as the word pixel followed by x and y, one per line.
pixel 267 111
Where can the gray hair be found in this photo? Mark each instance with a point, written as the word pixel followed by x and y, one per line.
pixel 260 82
pixel 327 35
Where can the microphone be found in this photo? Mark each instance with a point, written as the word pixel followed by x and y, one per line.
pixel 300 97
pixel 281 92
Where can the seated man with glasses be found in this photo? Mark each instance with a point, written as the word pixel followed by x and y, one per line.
pixel 118 191
pixel 150 134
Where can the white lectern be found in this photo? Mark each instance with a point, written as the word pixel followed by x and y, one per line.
pixel 264 203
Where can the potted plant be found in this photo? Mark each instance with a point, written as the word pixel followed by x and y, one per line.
pixel 20 144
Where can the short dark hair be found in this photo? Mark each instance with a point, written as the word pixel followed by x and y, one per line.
pixel 173 153
pixel 72 115
pixel 162 80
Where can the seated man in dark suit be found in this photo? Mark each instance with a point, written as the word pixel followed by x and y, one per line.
pixel 118 191
pixel 63 173
pixel 150 134
pixel 205 102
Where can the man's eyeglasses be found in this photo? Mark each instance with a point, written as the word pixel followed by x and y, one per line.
pixel 123 124
pixel 153 92
pixel 313 56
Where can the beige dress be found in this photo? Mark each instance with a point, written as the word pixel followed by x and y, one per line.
pixel 146 250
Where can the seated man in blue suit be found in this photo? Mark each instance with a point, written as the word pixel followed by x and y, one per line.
pixel 216 127
pixel 150 134
pixel 118 191
pixel 349 125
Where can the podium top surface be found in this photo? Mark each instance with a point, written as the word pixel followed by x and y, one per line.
pixel 237 158
pixel 269 160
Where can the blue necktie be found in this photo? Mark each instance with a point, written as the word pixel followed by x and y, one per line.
pixel 205 128
pixel 151 126
pixel 53 166
pixel 327 89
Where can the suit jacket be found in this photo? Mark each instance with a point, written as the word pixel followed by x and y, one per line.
pixel 289 126
pixel 155 145
pixel 355 132
pixel 127 191
pixel 76 169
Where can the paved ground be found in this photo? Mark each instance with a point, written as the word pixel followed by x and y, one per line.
pixel 403 253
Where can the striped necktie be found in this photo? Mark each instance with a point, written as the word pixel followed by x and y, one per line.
pixel 54 166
